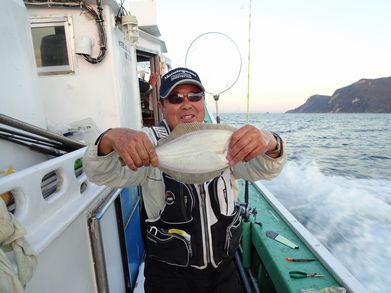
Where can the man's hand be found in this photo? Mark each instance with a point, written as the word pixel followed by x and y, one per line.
pixel 153 79
pixel 133 147
pixel 249 142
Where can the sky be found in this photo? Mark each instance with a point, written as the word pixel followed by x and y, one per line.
pixel 298 48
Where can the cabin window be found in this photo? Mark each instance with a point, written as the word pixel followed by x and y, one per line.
pixel 52 45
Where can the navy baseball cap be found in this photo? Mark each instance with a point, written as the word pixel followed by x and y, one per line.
pixel 176 77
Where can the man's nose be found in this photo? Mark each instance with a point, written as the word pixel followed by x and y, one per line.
pixel 186 101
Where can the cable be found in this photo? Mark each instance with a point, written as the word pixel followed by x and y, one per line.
pixel 121 11
pixel 102 35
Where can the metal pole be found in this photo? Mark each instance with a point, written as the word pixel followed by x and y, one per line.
pixel 216 98
pixel 242 273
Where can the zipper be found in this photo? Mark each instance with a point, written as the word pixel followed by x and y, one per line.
pixel 228 236
pixel 203 214
pixel 225 194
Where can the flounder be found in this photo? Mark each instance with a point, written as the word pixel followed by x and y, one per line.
pixel 195 152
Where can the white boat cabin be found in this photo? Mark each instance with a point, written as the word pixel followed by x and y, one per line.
pixel 73 68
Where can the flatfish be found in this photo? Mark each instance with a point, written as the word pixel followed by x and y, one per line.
pixel 195 152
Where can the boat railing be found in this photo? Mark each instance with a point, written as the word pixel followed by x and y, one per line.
pixel 49 196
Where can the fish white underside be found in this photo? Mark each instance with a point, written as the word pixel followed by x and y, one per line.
pixel 196 152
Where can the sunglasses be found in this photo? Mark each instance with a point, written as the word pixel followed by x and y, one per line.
pixel 192 97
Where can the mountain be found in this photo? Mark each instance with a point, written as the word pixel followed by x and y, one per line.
pixel 363 96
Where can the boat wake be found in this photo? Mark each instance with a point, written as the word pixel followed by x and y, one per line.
pixel 350 216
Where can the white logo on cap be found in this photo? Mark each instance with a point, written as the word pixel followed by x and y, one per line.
pixel 180 73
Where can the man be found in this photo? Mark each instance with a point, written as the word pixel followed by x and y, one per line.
pixel 146 88
pixel 191 232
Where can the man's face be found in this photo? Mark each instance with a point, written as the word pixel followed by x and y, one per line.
pixel 184 112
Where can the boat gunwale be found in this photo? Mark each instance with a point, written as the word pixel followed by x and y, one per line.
pixel 332 264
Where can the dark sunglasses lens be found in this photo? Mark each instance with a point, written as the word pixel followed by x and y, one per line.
pixel 175 99
pixel 195 98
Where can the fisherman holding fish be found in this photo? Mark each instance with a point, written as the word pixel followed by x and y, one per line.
pixel 187 169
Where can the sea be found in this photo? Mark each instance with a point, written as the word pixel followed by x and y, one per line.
pixel 337 183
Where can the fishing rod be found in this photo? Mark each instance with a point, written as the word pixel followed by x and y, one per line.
pixel 34 147
pixel 30 138
pixel 247 214
pixel 246 224
pixel 67 143
pixel 26 140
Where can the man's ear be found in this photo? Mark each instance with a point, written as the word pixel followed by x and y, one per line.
pixel 160 105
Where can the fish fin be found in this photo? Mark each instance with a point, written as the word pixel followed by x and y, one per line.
pixel 185 128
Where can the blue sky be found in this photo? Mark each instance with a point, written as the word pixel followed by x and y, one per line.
pixel 298 48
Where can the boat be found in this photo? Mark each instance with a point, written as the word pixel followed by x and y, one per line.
pixel 70 70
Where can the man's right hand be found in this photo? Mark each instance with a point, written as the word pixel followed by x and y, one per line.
pixel 133 147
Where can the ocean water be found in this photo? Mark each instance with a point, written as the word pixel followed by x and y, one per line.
pixel 337 183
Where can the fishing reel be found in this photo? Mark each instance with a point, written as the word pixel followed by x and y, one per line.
pixel 246 211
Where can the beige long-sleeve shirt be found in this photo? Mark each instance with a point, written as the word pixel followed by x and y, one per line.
pixel 107 170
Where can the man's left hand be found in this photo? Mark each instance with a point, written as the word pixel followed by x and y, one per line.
pixel 249 142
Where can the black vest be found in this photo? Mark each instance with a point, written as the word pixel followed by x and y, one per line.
pixel 183 234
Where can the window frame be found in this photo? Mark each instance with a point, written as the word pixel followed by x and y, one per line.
pixel 66 22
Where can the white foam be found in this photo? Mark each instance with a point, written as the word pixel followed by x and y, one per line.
pixel 351 217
